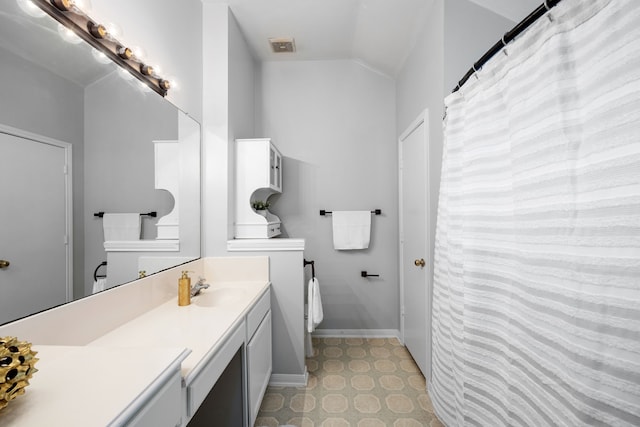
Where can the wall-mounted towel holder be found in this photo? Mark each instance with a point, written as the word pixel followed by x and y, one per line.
pixel 375 212
pixel 151 214
pixel 313 267
pixel 365 274
pixel 96 276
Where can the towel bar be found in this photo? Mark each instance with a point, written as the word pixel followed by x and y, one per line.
pixel 95 272
pixel 375 212
pixel 313 267
pixel 151 214
pixel 365 274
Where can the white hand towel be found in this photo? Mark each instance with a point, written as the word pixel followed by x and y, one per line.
pixel 351 229
pixel 99 284
pixel 121 226
pixel 314 314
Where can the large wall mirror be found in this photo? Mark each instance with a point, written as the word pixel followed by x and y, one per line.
pixel 77 137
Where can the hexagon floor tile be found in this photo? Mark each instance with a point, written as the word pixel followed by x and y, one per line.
pixel 353 382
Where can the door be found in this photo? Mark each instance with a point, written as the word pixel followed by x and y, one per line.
pixel 33 230
pixel 414 243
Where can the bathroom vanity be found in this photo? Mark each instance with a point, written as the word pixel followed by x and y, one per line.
pixel 131 356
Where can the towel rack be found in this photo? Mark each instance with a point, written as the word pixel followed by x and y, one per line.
pixel 313 267
pixel 95 272
pixel 151 214
pixel 365 274
pixel 375 212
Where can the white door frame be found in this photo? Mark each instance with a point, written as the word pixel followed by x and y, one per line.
pixel 423 118
pixel 67 147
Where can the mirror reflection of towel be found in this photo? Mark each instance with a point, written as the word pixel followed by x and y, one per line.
pixel 314 306
pixel 99 284
pixel 351 229
pixel 121 226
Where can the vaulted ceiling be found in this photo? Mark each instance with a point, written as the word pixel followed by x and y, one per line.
pixel 378 33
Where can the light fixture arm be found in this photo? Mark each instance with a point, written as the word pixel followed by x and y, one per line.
pixel 95 34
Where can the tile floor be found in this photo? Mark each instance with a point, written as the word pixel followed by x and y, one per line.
pixel 353 382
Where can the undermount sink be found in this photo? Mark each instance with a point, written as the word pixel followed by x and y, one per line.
pixel 218 297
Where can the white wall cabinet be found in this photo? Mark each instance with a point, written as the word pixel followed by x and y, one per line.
pixel 258 176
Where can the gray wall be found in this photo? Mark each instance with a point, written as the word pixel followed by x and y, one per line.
pixel 121 122
pixel 334 122
pixel 469 31
pixel 38 101
pixel 419 86
pixel 456 33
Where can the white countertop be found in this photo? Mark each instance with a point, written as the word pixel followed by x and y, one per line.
pixel 77 384
pixel 199 328
pixel 100 380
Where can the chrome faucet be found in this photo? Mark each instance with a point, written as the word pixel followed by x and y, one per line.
pixel 200 285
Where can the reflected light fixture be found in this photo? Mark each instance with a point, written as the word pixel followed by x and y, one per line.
pixel 31 9
pixel 81 26
pixel 68 35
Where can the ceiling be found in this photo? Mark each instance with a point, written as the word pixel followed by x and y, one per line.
pixel 377 33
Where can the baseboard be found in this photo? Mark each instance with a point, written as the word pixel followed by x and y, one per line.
pixel 289 380
pixel 357 333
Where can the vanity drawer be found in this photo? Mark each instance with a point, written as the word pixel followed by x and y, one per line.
pixel 257 313
pixel 216 363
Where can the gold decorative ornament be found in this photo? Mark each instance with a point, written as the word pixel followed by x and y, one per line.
pixel 17 362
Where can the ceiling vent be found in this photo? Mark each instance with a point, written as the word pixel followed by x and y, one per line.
pixel 283 45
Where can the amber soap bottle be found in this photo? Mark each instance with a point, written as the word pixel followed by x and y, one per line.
pixel 184 289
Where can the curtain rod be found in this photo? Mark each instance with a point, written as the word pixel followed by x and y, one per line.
pixel 508 38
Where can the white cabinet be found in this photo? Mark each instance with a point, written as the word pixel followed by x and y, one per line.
pixel 258 176
pixel 258 366
pixel 258 352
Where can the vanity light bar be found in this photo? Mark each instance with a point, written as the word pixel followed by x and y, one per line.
pixel 68 14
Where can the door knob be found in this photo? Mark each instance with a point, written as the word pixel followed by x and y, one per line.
pixel 419 262
pixel 4 264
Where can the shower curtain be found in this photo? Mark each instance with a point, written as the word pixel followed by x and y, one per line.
pixel 536 312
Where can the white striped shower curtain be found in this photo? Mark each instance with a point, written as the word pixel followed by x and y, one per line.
pixel 536 313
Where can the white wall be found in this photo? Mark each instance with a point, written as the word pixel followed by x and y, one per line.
pixel 228 113
pixel 469 31
pixel 419 86
pixel 170 34
pixel 334 122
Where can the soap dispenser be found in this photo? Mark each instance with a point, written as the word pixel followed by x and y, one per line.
pixel 184 289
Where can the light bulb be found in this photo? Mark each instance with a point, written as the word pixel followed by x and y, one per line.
pixel 100 57
pixel 143 87
pixel 114 30
pixel 125 74
pixel 139 53
pixel 68 35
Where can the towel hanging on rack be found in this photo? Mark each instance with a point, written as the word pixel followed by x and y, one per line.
pixel 351 229
pixel 121 226
pixel 99 280
pixel 314 305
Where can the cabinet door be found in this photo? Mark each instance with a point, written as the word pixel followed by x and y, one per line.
pixel 258 366
pixel 272 167
pixel 278 177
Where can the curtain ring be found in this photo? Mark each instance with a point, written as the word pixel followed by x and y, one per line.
pixel 546 5
pixel 475 72
pixel 504 45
